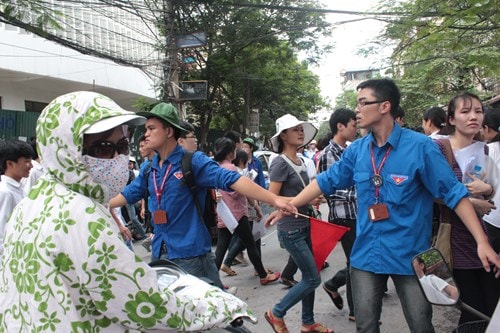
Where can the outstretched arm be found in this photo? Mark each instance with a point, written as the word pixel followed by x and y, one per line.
pixel 248 188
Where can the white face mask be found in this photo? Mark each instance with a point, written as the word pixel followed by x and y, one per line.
pixel 112 173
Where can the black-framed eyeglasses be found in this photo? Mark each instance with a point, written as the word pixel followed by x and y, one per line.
pixel 191 137
pixel 106 149
pixel 363 103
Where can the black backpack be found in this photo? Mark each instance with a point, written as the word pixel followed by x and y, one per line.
pixel 209 214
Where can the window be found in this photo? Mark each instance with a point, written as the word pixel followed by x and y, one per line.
pixel 34 106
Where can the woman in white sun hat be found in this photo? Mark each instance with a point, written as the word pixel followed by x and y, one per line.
pixel 288 176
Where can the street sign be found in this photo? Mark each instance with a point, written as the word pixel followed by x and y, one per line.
pixel 193 90
pixel 191 40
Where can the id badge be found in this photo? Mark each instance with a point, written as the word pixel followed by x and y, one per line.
pixel 160 216
pixel 378 212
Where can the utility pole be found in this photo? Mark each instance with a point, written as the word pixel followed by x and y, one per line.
pixel 170 66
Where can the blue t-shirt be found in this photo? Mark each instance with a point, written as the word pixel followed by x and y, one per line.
pixel 184 233
pixel 414 173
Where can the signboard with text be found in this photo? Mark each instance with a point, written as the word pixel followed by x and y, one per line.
pixel 193 90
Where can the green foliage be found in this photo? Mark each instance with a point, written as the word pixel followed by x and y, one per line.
pixel 443 47
pixel 250 62
pixel 347 99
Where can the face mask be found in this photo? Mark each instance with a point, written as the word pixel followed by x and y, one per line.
pixel 112 173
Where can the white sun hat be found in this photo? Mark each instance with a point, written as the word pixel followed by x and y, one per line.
pixel 288 121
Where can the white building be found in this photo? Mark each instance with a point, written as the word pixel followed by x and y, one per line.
pixel 33 70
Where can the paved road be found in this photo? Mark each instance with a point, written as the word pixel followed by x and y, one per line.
pixel 261 298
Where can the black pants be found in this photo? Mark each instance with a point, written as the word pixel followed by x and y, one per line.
pixel 244 232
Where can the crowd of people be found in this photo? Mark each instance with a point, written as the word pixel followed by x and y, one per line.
pixel 66 250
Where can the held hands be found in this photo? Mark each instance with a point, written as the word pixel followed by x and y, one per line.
pixel 283 207
pixel 478 187
pixel 481 206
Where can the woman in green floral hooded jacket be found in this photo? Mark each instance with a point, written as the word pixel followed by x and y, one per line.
pixel 65 268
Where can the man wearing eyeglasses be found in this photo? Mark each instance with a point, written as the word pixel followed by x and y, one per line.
pixel 188 139
pixel 397 173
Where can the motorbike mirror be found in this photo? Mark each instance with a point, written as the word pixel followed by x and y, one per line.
pixel 435 278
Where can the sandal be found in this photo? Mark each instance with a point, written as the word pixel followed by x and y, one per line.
pixel 270 278
pixel 278 324
pixel 337 300
pixel 228 270
pixel 315 328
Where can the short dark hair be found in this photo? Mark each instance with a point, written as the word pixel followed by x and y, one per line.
pixel 342 116
pixel 223 146
pixel 492 120
pixel 142 138
pixel 437 116
pixel 13 150
pixel 233 135
pixel 384 90
pixel 400 113
pixel 188 127
pixel 241 157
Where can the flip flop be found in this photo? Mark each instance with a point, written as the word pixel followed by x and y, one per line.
pixel 337 300
pixel 227 270
pixel 278 325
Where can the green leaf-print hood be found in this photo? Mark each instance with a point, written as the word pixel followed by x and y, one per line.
pixel 60 130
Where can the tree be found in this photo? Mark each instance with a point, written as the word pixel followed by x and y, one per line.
pixel 347 99
pixel 443 47
pixel 250 61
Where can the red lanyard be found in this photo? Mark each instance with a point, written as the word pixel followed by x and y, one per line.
pixel 159 192
pixel 377 179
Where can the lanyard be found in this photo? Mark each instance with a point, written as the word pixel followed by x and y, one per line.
pixel 377 179
pixel 159 192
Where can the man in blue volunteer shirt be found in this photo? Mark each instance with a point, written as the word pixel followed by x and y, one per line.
pixel 180 234
pixel 397 173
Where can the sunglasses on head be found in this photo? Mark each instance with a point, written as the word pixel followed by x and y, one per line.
pixel 107 149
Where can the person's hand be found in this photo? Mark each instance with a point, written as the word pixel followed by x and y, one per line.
pixel 318 200
pixel 258 210
pixel 481 206
pixel 273 217
pixel 489 257
pixel 142 213
pixel 283 203
pixel 126 234
pixel 218 196
pixel 478 187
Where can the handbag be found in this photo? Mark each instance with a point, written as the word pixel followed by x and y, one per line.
pixel 442 240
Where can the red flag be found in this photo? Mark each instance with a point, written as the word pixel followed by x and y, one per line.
pixel 325 237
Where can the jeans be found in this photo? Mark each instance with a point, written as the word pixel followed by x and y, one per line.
pixel 368 289
pixel 132 215
pixel 202 267
pixel 298 244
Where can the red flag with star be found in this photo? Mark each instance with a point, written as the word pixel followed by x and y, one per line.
pixel 325 237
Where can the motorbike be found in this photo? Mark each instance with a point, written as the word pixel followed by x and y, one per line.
pixel 439 288
pixel 176 278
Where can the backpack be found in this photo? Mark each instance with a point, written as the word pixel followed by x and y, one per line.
pixel 209 214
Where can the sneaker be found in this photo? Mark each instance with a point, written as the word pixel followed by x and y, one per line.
pixel 147 244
